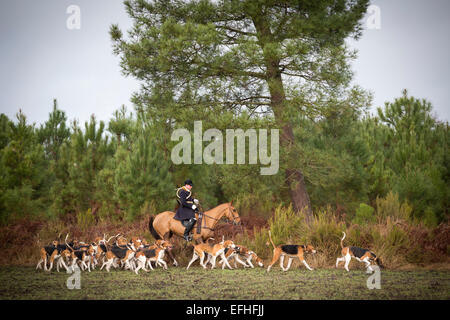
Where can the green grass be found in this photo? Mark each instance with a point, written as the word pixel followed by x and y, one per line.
pixel 199 284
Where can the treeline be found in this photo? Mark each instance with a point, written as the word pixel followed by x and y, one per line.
pixel 122 170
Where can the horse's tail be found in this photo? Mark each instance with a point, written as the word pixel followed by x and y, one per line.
pixel 342 240
pixel 270 237
pixel 152 230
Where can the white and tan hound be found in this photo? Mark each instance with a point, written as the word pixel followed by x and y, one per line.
pixel 155 253
pixel 203 249
pixel 360 254
pixel 292 251
pixel 242 252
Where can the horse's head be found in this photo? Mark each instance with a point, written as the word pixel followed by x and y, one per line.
pixel 232 214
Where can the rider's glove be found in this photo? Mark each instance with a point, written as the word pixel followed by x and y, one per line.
pixel 194 207
pixel 195 201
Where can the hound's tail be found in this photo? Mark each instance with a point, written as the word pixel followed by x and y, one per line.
pixel 152 230
pixel 342 240
pixel 270 237
pixel 68 246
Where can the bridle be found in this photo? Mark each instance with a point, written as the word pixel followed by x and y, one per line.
pixel 232 214
pixel 217 219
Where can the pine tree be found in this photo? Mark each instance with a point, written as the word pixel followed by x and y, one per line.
pixel 22 170
pixel 76 172
pixel 54 132
pixel 121 125
pixel 415 153
pixel 200 59
pixel 142 181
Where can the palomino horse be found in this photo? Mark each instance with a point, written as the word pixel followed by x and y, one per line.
pixel 164 226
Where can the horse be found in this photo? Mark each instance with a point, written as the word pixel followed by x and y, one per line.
pixel 164 226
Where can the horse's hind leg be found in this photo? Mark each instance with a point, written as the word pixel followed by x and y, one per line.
pixel 172 256
pixel 167 237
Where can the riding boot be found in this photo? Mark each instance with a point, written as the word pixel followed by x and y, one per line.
pixel 188 229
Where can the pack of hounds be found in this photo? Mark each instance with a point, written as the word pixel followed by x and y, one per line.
pixel 136 254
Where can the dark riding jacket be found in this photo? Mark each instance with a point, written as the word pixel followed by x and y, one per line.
pixel 184 198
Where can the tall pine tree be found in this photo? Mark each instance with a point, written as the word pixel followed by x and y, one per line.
pixel 199 59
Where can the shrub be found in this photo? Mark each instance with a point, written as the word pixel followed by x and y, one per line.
pixel 85 219
pixel 430 219
pixel 260 245
pixel 390 242
pixel 390 206
pixel 285 225
pixel 364 215
pixel 324 234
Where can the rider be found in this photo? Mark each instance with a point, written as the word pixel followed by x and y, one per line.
pixel 187 209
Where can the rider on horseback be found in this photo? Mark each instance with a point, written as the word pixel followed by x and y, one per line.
pixel 187 209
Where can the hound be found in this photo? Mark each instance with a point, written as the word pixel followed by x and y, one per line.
pixel 248 256
pixel 229 254
pixel 292 251
pixel 200 250
pixel 79 255
pixel 137 242
pixel 102 248
pixel 159 244
pixel 360 254
pixel 83 253
pixel 166 245
pixel 52 253
pixel 123 253
pixel 154 253
pixel 65 255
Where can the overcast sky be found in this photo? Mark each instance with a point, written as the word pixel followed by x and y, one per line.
pixel 42 59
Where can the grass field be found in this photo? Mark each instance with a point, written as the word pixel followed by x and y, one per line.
pixel 199 284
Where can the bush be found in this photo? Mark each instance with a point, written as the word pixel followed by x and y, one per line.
pixel 430 219
pixel 324 234
pixel 390 242
pixel 364 215
pixel 285 225
pixel 85 219
pixel 390 206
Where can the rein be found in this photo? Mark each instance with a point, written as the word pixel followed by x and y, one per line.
pixel 205 215
pixel 212 229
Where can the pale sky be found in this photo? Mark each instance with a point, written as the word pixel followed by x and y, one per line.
pixel 41 59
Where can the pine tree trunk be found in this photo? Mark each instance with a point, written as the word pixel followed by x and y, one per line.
pixel 294 177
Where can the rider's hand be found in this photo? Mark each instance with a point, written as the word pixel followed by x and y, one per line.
pixel 194 207
pixel 195 201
